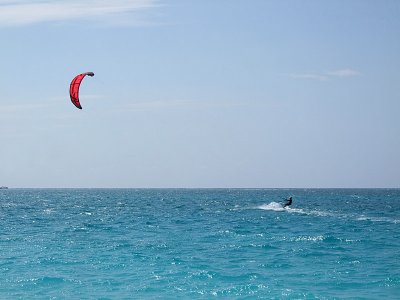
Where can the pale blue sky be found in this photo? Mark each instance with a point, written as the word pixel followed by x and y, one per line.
pixel 211 93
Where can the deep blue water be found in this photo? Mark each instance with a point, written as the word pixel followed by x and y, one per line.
pixel 199 243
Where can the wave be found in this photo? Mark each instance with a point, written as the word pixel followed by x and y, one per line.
pixel 378 219
pixel 275 206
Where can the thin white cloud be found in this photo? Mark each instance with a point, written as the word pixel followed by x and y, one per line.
pixel 327 75
pixel 308 76
pixel 20 13
pixel 344 73
pixel 176 104
pixel 13 108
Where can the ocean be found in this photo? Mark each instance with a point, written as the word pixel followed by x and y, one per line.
pixel 199 244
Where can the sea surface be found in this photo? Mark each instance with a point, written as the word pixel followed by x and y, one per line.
pixel 199 244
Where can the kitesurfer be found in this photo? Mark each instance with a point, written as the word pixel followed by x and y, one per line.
pixel 288 202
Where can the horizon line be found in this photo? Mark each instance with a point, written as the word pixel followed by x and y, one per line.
pixel 206 188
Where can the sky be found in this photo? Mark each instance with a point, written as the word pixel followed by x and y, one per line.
pixel 200 94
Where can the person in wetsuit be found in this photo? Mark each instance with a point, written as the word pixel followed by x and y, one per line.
pixel 288 202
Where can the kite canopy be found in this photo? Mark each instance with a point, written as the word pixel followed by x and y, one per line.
pixel 74 88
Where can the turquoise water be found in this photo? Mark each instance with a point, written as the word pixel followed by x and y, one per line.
pixel 199 243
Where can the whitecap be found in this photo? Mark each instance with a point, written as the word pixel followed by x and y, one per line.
pixel 48 210
pixel 378 219
pixel 295 210
pixel 272 206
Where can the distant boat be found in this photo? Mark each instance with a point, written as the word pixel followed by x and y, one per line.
pixel 3 187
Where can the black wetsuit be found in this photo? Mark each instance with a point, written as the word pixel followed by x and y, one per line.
pixel 288 202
